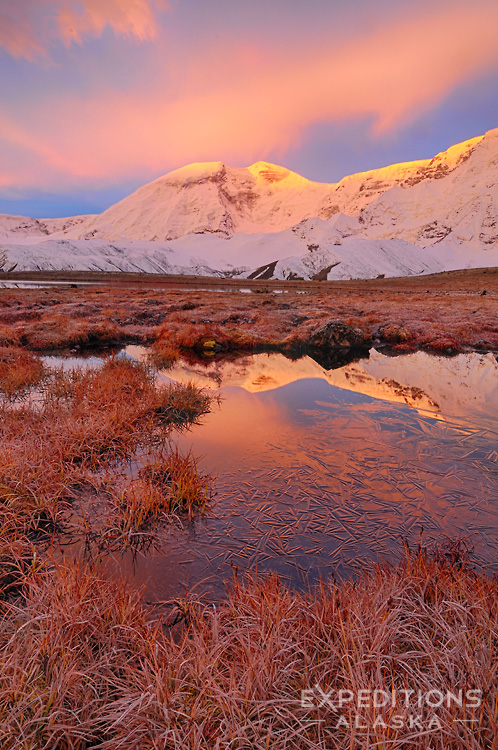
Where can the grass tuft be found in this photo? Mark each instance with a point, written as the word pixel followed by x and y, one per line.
pixel 85 425
pixel 20 370
pixel 182 405
pixel 80 665
pixel 179 480
pixel 167 486
pixel 164 353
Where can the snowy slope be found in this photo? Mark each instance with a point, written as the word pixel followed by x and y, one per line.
pixel 99 255
pixel 463 203
pixel 338 247
pixel 266 221
pixel 212 197
pixel 443 215
pixel 358 258
pixel 20 227
pixel 209 255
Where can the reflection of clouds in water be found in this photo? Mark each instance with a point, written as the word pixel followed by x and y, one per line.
pixel 314 479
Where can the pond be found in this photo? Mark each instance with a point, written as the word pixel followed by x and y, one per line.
pixel 318 472
pixel 152 284
pixel 26 284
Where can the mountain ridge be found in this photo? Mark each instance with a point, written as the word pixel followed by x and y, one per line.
pixel 409 218
pixel 243 199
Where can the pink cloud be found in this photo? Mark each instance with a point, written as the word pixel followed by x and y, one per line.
pixel 28 27
pixel 239 103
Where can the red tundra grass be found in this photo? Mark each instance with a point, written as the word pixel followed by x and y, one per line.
pixel 18 557
pixel 81 425
pixel 20 370
pixel 164 352
pixel 81 666
pixel 444 312
pixel 177 480
pixel 167 485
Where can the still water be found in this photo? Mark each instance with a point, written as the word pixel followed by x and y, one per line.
pixel 123 284
pixel 23 284
pixel 318 472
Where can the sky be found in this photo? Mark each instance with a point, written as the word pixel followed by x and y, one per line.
pixel 99 97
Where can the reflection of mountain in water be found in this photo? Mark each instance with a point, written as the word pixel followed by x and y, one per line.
pixel 465 386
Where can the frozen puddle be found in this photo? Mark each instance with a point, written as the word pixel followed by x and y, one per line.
pixel 318 472
pixel 27 284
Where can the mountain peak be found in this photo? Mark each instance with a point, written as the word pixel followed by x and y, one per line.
pixel 409 218
pixel 456 154
pixel 268 172
pixel 216 199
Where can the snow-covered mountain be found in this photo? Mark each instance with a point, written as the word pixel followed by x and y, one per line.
pixel 210 198
pixel 14 228
pixel 268 222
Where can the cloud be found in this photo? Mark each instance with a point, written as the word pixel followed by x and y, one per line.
pixel 29 27
pixel 240 102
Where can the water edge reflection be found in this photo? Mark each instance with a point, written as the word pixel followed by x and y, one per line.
pixel 319 472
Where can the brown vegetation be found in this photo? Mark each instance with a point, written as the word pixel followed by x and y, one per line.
pixel 78 433
pixel 19 370
pixel 82 666
pixel 445 312
pixel 167 485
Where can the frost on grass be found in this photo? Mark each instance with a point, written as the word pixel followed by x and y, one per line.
pixel 445 312
pixel 81 431
pixel 82 666
pixel 20 370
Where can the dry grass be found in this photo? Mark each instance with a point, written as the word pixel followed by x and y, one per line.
pixel 209 338
pixel 18 557
pixel 168 485
pixel 80 665
pixel 82 427
pixel 56 331
pixel 178 480
pixel 164 353
pixel 182 406
pixel 445 312
pixel 64 651
pixel 20 370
